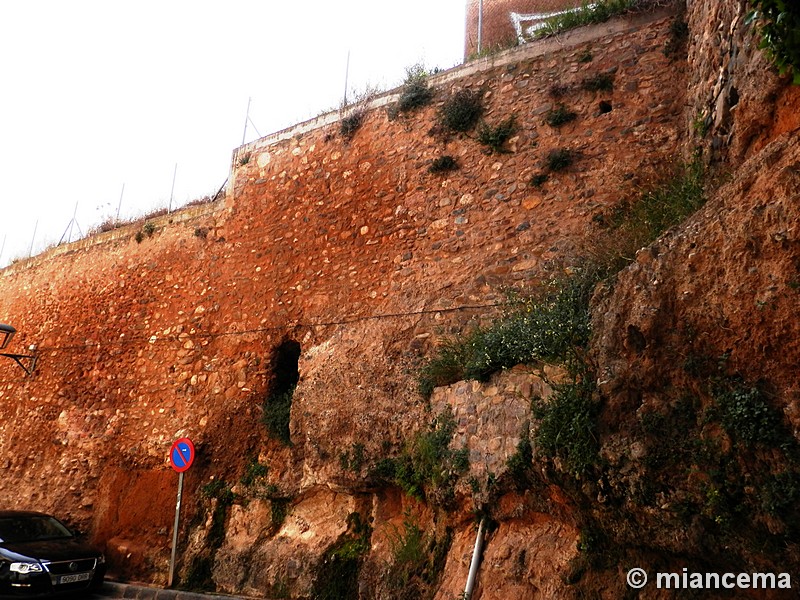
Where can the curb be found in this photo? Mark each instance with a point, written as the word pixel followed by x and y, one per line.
pixel 113 589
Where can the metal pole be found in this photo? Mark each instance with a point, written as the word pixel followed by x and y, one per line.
pixel 258 133
pixel 174 174
pixel 175 531
pixel 35 227
pixel 246 118
pixel 480 24
pixel 346 76
pixel 71 223
pixel 119 206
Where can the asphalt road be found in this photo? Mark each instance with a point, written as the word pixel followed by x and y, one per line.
pixel 142 592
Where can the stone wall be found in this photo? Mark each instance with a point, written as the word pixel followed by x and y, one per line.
pixel 491 419
pixel 737 102
pixel 349 247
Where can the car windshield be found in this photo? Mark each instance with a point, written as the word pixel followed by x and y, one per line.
pixel 31 528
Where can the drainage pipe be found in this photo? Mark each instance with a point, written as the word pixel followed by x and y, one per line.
pixel 476 561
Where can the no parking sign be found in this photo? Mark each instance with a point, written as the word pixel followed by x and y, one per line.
pixel 181 457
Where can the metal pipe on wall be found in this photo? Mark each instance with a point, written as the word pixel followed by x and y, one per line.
pixel 476 561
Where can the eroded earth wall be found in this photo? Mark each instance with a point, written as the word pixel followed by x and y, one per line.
pixel 352 249
pixel 348 248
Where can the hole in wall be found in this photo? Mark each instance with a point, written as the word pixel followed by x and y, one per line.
pixel 605 107
pixel 285 366
pixel 733 97
pixel 635 340
pixel 278 404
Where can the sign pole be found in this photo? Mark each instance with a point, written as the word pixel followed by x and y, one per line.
pixel 175 530
pixel 181 456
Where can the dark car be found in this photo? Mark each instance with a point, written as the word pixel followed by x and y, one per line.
pixel 40 556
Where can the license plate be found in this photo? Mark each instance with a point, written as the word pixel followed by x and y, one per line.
pixel 75 578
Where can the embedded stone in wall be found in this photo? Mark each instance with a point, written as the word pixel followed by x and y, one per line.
pixel 491 417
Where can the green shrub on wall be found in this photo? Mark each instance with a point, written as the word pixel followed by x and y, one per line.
pixel 567 423
pixel 428 468
pixel 778 24
pixel 461 111
pixel 415 93
pixel 495 137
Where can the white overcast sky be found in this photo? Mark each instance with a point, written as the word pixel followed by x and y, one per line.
pixel 101 94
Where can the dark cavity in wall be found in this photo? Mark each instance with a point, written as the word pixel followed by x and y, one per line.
pixel 285 368
pixel 278 404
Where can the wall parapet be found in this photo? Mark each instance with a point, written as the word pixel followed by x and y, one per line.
pixel 530 50
pixel 182 215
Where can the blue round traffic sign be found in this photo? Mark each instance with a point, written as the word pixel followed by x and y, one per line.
pixel 181 455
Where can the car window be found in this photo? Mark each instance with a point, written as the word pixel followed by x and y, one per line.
pixel 31 529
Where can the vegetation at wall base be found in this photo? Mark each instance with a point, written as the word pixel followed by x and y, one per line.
pixel 200 574
pixel 337 575
pixel 636 223
pixel 217 489
pixel 778 23
pixel 418 559
pixel 253 472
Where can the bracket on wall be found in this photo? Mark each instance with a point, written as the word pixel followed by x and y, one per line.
pixel 22 359
pixel 26 361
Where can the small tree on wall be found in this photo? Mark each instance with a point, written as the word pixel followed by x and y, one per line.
pixel 778 23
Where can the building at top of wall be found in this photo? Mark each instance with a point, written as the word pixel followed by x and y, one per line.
pixel 504 23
